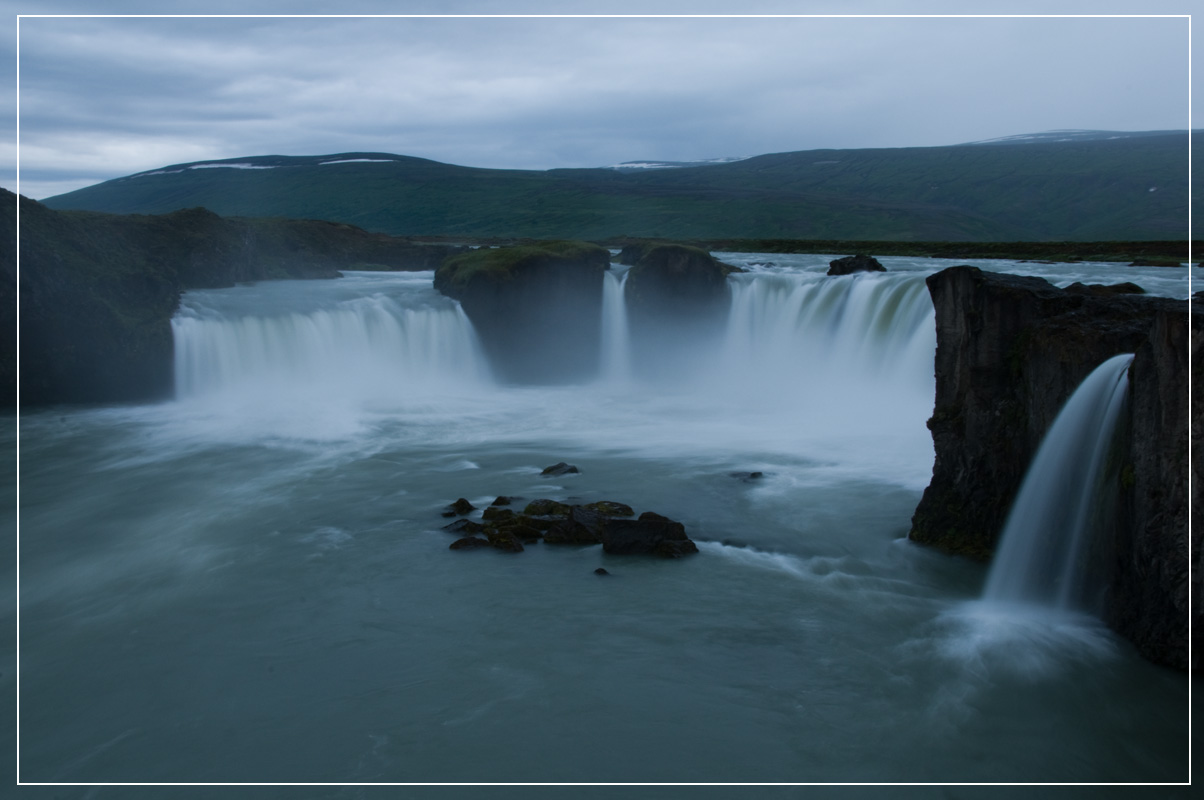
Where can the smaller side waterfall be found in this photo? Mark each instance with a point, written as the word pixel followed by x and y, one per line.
pixel 616 347
pixel 1045 550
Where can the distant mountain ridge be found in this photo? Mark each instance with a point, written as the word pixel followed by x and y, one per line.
pixel 1072 135
pixel 653 164
pixel 1077 186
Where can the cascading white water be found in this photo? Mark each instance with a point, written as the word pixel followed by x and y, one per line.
pixel 849 341
pixel 785 331
pixel 1045 547
pixel 870 321
pixel 616 347
pixel 367 349
pixel 804 360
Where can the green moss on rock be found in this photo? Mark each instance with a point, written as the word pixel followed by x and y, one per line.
pixel 536 306
pixel 503 264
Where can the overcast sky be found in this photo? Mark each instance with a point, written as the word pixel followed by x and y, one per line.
pixel 103 98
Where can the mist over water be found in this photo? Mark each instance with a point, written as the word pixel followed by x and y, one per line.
pixel 251 583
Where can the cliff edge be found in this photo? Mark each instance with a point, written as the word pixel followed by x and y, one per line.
pixel 1010 351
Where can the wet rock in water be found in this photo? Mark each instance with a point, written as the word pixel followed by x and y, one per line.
pixel 546 508
pixel 858 263
pixel 468 543
pixel 560 469
pixel 459 508
pixel 610 508
pixel 650 534
pixel 521 526
pixel 600 571
pixel 521 529
pixel 748 477
pixel 464 526
pixel 675 548
pixel 495 513
pixel 604 522
pixel 502 500
pixel 504 540
pixel 538 523
pixel 581 526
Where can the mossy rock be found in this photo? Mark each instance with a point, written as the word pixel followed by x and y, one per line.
pixel 536 307
pixel 497 514
pixel 504 264
pixel 458 508
pixel 610 508
pixel 547 508
pixel 505 541
pixel 468 543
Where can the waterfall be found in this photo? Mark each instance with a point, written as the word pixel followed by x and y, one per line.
pixel 841 349
pixel 1045 550
pixel 840 367
pixel 616 355
pixel 852 340
pixel 784 331
pixel 368 349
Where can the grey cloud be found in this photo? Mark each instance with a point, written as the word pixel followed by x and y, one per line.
pixel 103 98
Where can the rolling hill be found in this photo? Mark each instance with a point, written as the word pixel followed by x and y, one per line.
pixel 1091 186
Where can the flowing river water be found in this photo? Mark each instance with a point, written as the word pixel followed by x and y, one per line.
pixel 250 583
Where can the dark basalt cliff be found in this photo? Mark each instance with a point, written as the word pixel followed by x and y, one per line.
pixel 8 300
pixel 672 283
pixel 853 264
pixel 536 307
pixel 675 294
pixel 1010 351
pixel 1151 570
pixel 97 291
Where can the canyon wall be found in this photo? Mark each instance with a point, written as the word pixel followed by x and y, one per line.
pixel 1010 351
pixel 97 291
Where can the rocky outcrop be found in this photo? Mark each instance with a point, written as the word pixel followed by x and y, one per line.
pixel 1151 571
pixel 96 306
pixel 97 291
pixel 9 299
pixel 560 468
pixel 677 296
pixel 1010 351
pixel 459 508
pixel 604 522
pixel 650 534
pixel 675 283
pixel 858 263
pixel 1102 289
pixel 536 307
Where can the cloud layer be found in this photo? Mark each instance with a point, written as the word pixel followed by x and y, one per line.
pixel 100 98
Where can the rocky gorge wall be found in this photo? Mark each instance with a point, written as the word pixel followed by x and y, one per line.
pixel 1010 351
pixel 97 291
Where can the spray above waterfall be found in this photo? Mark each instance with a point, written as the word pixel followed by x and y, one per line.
pixel 803 363
pixel 785 333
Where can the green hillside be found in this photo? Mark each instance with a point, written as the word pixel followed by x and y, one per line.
pixel 1129 188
